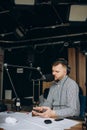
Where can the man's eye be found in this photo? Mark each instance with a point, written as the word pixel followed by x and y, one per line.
pixel 57 71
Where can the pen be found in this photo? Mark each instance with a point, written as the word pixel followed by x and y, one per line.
pixel 58 119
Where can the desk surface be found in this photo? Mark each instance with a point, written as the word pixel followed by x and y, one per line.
pixel 25 121
pixel 77 127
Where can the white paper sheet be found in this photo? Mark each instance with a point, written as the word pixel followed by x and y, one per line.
pixel 25 121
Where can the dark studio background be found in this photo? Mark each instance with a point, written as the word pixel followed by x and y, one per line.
pixel 36 35
pixel 40 57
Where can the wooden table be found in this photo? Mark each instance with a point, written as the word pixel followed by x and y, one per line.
pixel 77 127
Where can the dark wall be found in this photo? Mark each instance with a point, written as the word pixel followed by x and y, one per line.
pixel 39 57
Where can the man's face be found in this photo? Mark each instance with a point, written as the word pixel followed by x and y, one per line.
pixel 58 71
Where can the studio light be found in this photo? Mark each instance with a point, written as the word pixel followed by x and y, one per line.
pixel 78 13
pixel 24 2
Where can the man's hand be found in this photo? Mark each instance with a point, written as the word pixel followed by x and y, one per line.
pixel 43 112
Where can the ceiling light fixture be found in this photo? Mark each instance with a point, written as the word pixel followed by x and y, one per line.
pixel 24 2
pixel 78 13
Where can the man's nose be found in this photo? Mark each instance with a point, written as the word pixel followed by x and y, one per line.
pixel 53 73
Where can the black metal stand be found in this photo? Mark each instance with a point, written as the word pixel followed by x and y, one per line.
pixel 17 100
pixel 11 81
pixel 84 124
pixel 35 82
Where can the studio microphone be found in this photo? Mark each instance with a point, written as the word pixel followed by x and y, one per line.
pixel 42 75
pixel 46 77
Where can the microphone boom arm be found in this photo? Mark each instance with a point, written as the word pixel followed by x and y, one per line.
pixel 11 82
pixel 17 66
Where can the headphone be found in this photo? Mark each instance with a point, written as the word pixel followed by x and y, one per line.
pixel 64 62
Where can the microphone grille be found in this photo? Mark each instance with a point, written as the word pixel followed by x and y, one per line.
pixel 38 68
pixel 5 64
